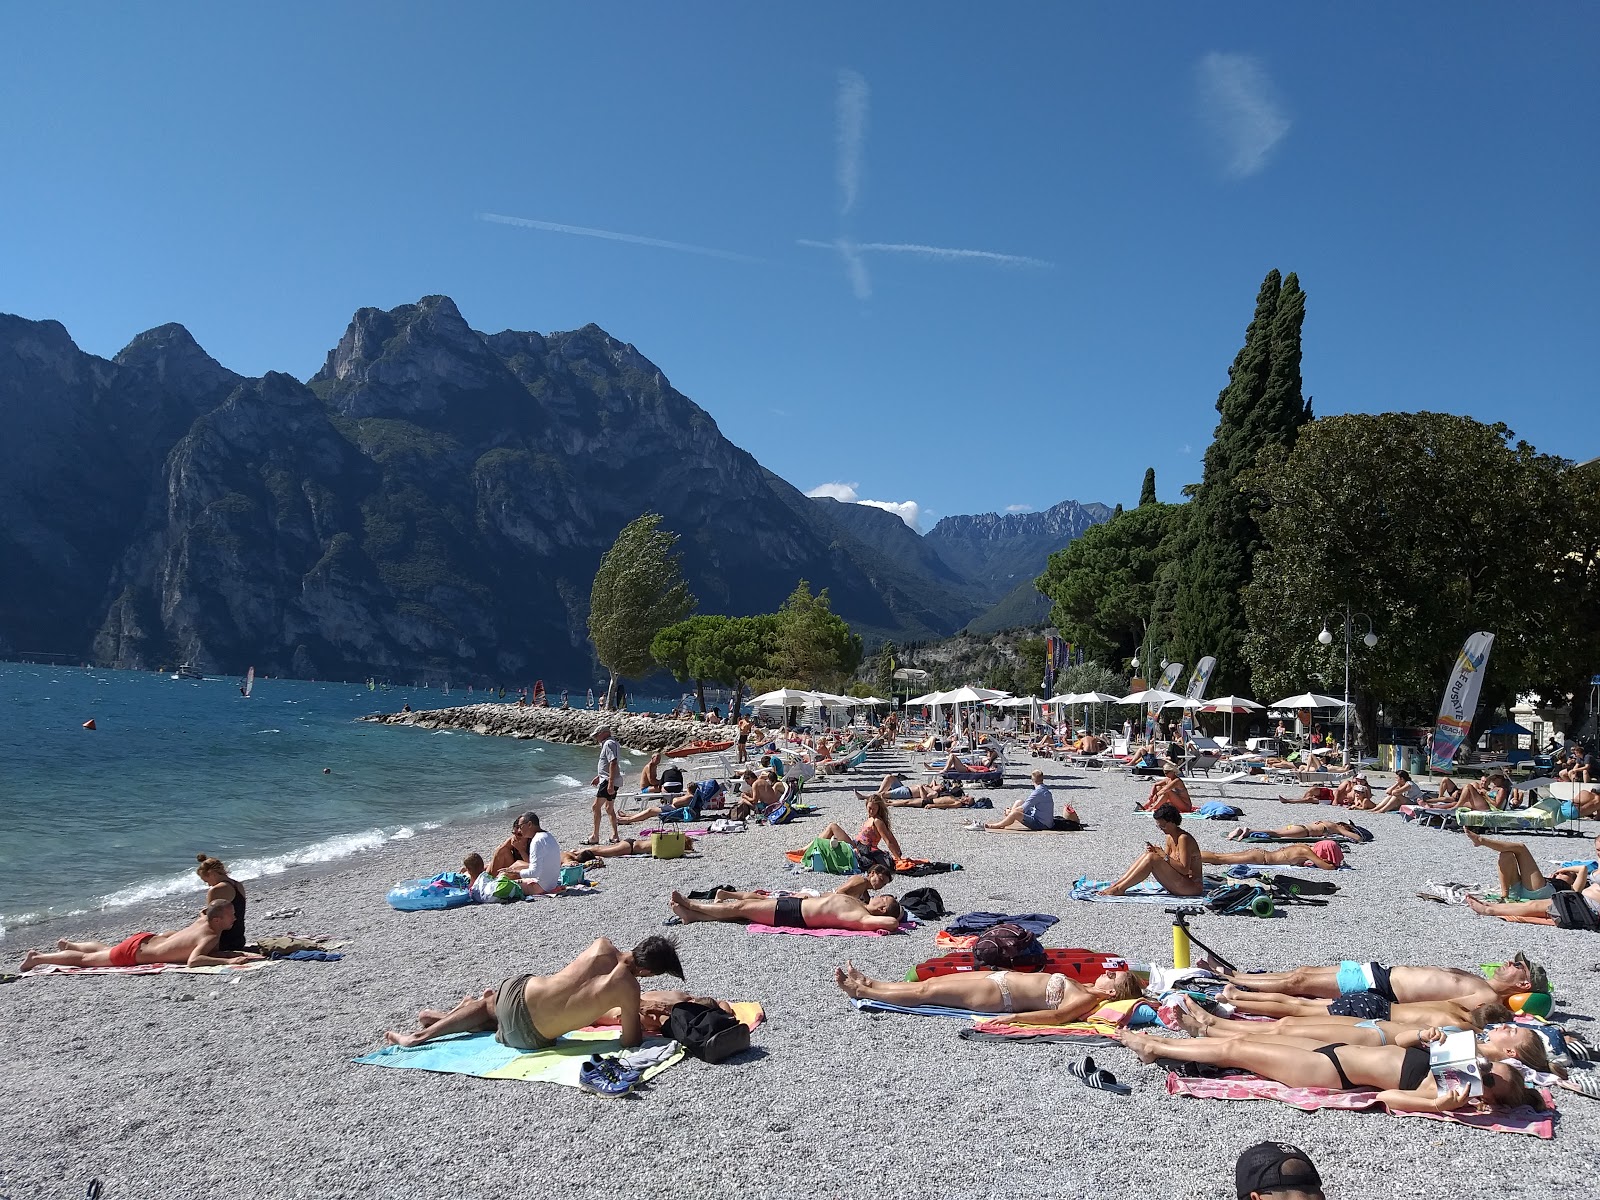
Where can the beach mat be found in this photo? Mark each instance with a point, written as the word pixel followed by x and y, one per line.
pixel 919 1010
pixel 142 969
pixel 479 1054
pixel 1146 892
pixel 1253 1087
pixel 905 927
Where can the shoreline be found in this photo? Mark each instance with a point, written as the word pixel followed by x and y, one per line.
pixel 642 733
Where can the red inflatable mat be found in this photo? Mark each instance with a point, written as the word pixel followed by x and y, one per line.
pixel 1083 965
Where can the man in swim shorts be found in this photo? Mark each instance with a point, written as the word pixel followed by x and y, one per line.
pixel 875 878
pixel 194 945
pixel 829 911
pixel 529 1012
pixel 1276 1171
pixel 1029 997
pixel 1404 985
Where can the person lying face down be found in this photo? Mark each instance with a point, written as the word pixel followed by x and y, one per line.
pixel 1325 855
pixel 194 945
pixel 1307 829
pixel 1028 997
pixel 1399 1073
pixel 529 1012
pixel 829 911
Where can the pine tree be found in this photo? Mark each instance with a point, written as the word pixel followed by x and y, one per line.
pixel 1260 408
pixel 1147 493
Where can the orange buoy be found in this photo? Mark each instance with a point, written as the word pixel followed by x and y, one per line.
pixel 89 724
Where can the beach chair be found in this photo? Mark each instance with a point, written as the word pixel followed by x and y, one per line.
pixel 1542 816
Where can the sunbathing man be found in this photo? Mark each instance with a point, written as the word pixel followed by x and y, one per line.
pixel 1169 789
pixel 941 793
pixel 529 1012
pixel 1026 997
pixel 1302 832
pixel 830 911
pixel 194 945
pixel 1535 908
pixel 1400 1074
pixel 1324 855
pixel 874 879
pixel 1400 985
pixel 1176 866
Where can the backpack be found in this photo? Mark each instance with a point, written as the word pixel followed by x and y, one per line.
pixel 705 1032
pixel 1572 911
pixel 1008 947
pixel 832 858
pixel 925 903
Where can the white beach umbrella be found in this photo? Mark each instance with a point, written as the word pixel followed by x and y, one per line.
pixel 1149 696
pixel 783 698
pixel 930 698
pixel 1096 698
pixel 1186 702
pixel 1309 700
pixel 1234 704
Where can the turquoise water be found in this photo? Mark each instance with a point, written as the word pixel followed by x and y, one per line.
pixel 114 816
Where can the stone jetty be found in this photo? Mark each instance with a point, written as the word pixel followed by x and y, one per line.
pixel 574 726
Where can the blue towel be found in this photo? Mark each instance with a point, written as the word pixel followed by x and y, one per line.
pixel 313 956
pixel 458 1053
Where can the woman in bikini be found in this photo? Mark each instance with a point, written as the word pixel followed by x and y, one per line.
pixel 1175 866
pixel 1305 832
pixel 622 849
pixel 1324 855
pixel 1400 1074
pixel 874 830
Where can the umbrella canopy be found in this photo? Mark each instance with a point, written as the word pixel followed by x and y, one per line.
pixel 1188 702
pixel 1510 727
pixel 930 698
pixel 1230 704
pixel 1016 702
pixel 1094 698
pixel 906 674
pixel 871 701
pixel 969 695
pixel 1149 696
pixel 783 698
pixel 1309 700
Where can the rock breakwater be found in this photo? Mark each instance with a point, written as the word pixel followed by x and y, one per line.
pixel 573 726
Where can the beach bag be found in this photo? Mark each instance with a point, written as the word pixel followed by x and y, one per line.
pixel 781 815
pixel 1008 947
pixel 705 791
pixel 669 843
pixel 1066 821
pixel 1571 911
pixel 689 812
pixel 504 891
pixel 925 903
pixel 572 875
pixel 705 1032
pixel 829 857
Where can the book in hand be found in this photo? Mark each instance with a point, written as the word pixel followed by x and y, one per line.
pixel 1454 1062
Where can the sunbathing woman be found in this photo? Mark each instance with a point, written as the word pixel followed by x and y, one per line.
pixel 1324 855
pixel 1029 997
pixel 1403 790
pixel 222 886
pixel 1306 831
pixel 1400 1074
pixel 1176 866
pixel 622 849
pixel 1169 789
pixel 1499 1036
pixel 942 793
pixel 874 829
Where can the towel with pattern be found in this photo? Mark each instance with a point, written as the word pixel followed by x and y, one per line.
pixel 1147 892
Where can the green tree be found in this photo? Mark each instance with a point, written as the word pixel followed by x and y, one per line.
pixel 1114 586
pixel 883 668
pixel 813 648
pixel 739 650
pixel 1031 654
pixel 1147 491
pixel 638 591
pixel 1432 525
pixel 1260 409
pixel 684 649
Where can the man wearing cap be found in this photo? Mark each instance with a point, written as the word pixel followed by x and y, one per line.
pixel 605 781
pixel 1276 1171
pixel 1399 985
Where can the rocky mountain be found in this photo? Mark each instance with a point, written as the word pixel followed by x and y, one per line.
pixel 999 552
pixel 433 500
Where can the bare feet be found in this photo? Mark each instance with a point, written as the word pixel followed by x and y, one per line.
pixel 1472 902
pixel 30 960
pixel 1191 1018
pixel 1473 835
pixel 850 981
pixel 63 944
pixel 1141 1044
pixel 682 909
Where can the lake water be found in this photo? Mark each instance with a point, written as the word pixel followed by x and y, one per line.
pixel 115 815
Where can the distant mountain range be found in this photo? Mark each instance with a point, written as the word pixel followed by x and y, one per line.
pixel 433 501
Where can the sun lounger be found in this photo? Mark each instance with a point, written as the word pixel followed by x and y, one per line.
pixel 1543 816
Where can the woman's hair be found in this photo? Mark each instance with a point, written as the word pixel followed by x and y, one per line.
pixel 1533 1052
pixel 473 863
pixel 878 810
pixel 1127 985
pixel 1168 813
pixel 209 866
pixel 1405 775
pixel 1511 1090
pixel 1492 1013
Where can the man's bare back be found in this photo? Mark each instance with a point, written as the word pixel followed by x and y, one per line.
pixel 193 945
pixel 583 991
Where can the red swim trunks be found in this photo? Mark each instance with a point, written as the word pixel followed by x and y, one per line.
pixel 126 952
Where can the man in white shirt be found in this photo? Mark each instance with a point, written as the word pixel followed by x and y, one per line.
pixel 605 781
pixel 540 871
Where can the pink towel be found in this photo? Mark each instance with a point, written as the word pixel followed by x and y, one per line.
pixel 905 927
pixel 1253 1087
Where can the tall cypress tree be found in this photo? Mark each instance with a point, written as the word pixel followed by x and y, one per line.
pixel 1147 492
pixel 1261 407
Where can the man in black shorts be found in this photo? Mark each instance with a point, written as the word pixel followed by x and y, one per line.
pixel 834 910
pixel 605 784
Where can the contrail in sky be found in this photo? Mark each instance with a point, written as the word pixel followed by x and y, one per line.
pixel 850 108
pixel 613 236
pixel 853 250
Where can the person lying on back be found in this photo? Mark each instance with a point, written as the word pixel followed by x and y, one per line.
pixel 830 911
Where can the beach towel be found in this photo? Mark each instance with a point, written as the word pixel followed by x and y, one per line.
pixel 905 927
pixel 481 1055
pixel 1148 892
pixel 974 923
pixel 918 1010
pixel 921 866
pixel 746 1012
pixel 1253 1087
pixel 1102 1025
pixel 142 969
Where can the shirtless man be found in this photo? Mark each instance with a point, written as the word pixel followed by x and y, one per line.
pixel 193 946
pixel 1399 985
pixel 859 887
pixel 830 911
pixel 1026 997
pixel 529 1012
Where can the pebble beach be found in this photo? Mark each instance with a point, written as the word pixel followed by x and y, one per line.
pixel 178 1085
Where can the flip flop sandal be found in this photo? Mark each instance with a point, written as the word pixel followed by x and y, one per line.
pixel 1096 1077
pixel 1585 1083
pixel 673 920
pixel 590 842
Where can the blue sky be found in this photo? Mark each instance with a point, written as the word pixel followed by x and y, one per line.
pixel 259 172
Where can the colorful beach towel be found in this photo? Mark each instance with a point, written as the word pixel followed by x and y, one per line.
pixel 919 1010
pixel 481 1055
pixel 143 969
pixel 1148 892
pixel 1253 1087
pixel 1102 1025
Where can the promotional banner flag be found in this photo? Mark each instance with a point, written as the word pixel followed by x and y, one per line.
pixel 1169 677
pixel 1201 678
pixel 1049 666
pixel 1460 701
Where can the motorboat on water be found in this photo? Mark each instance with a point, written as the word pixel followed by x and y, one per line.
pixel 188 672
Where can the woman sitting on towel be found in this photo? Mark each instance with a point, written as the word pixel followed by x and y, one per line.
pixel 1295 833
pixel 222 886
pixel 1169 789
pixel 874 830
pixel 1400 1074
pixel 1176 866
pixel 1324 855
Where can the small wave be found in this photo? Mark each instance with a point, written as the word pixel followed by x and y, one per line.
pixel 567 781
pixel 269 731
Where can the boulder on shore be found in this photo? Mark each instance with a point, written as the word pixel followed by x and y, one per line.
pixel 574 726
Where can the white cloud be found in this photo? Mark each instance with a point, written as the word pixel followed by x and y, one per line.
pixel 1016 508
pixel 612 236
pixel 908 511
pixel 1186 448
pixel 850 130
pixel 1241 109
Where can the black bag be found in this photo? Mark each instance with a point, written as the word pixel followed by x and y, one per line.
pixel 1572 911
pixel 706 1033
pixel 925 903
pixel 1066 824
pixel 1008 947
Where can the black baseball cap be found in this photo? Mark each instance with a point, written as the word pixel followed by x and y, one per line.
pixel 1269 1166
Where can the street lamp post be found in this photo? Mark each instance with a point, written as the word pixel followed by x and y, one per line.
pixel 1370 639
